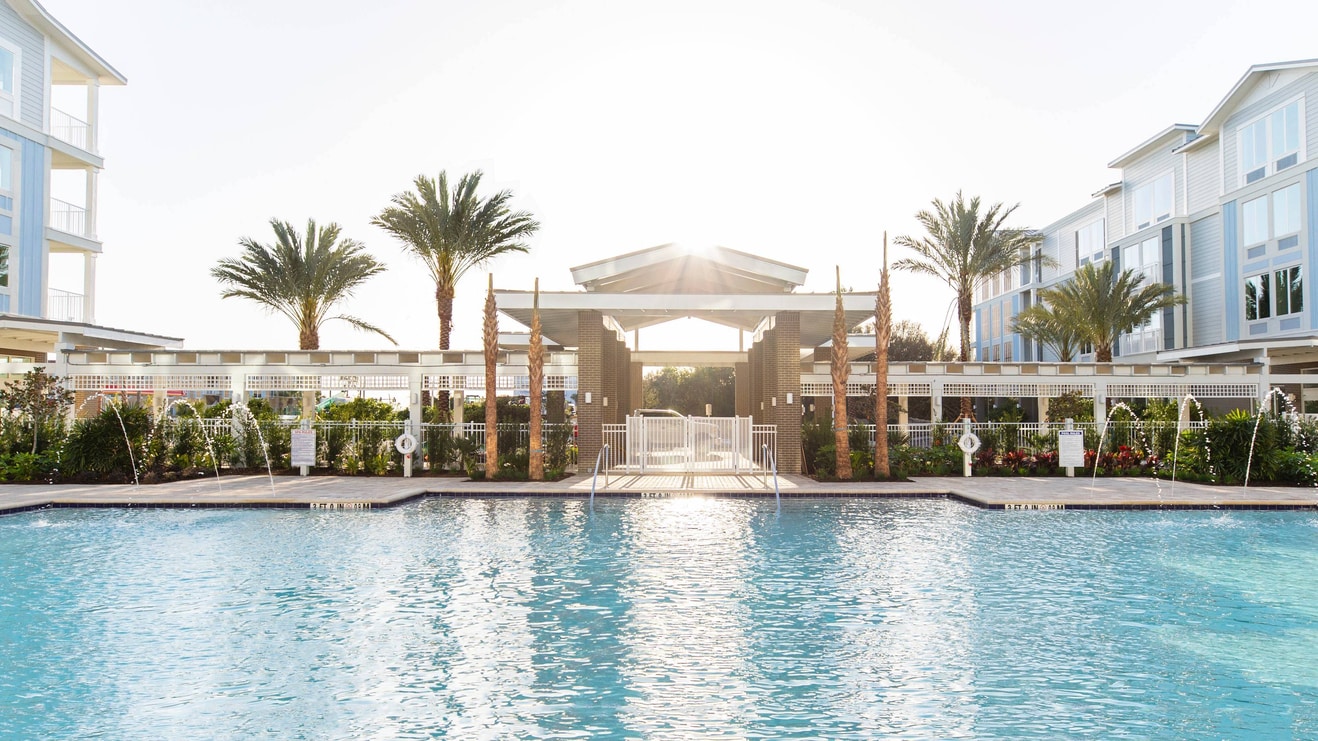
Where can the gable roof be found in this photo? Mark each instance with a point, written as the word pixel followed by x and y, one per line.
pixel 675 269
pixel 1242 88
pixel 41 18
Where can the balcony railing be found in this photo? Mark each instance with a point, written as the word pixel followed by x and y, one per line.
pixel 1141 341
pixel 64 306
pixel 68 218
pixel 70 129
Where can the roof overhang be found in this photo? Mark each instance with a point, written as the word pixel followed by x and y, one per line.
pixel 1175 130
pixel 673 268
pixel 31 334
pixel 560 311
pixel 1241 89
pixel 80 54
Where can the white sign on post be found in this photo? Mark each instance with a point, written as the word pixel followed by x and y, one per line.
pixel 303 448
pixel 1071 448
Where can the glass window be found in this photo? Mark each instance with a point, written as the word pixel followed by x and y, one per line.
pixel 1270 144
pixel 6 169
pixel 1089 241
pixel 1254 215
pixel 8 79
pixel 1286 131
pixel 1153 201
pixel 1286 210
pixel 1290 291
pixel 4 266
pixel 1258 298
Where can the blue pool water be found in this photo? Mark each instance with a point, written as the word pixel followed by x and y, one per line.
pixel 666 618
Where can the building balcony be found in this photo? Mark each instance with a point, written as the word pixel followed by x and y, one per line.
pixel 70 129
pixel 65 306
pixel 71 228
pixel 1141 341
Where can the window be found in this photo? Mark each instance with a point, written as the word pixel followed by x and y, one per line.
pixel 1153 201
pixel 1286 210
pixel 1258 298
pixel 1290 291
pixel 1254 217
pixel 9 58
pixel 1270 144
pixel 1089 243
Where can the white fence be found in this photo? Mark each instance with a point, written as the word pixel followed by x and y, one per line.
pixel 689 444
pixel 1034 437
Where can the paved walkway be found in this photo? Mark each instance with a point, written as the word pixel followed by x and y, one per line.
pixel 363 492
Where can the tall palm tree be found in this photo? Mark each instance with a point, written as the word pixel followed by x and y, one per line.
pixel 1104 304
pixel 841 368
pixel 491 337
pixel 536 362
pixel 882 336
pixel 965 244
pixel 301 277
pixel 453 231
pixel 1047 325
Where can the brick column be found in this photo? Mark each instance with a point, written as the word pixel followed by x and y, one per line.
pixel 741 384
pixel 608 376
pixel 590 380
pixel 788 368
pixel 636 387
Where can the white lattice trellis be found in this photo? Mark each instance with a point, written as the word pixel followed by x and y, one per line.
pixel 104 383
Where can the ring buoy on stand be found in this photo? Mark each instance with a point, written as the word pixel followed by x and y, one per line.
pixel 405 444
pixel 969 443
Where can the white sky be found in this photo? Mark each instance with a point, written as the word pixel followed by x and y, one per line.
pixel 799 131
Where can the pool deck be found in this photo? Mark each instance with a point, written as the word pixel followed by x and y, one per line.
pixel 342 492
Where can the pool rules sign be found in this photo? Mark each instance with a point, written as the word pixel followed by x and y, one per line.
pixel 1071 448
pixel 303 447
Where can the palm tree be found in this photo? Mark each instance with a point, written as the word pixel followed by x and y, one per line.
pixel 491 388
pixel 452 231
pixel 302 278
pixel 841 367
pixel 1047 326
pixel 882 336
pixel 536 361
pixel 965 245
pixel 1104 305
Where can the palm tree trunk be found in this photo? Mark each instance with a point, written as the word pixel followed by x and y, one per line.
pixel 491 385
pixel 308 339
pixel 882 334
pixel 965 312
pixel 536 360
pixel 444 306
pixel 1103 353
pixel 840 370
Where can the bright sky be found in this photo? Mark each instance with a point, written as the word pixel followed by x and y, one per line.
pixel 799 131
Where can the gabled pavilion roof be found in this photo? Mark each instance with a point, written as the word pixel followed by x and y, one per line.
pixel 668 282
pixel 672 268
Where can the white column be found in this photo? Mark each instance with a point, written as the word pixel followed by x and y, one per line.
pixel 89 287
pixel 89 229
pixel 93 113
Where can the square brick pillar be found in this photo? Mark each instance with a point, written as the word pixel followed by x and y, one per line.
pixel 590 380
pixel 741 384
pixel 636 388
pixel 787 339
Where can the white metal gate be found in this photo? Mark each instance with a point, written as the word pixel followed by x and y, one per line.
pixel 690 445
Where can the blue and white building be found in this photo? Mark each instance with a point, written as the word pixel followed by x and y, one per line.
pixel 1225 211
pixel 50 86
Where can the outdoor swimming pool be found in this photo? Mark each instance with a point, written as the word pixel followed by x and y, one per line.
pixel 660 618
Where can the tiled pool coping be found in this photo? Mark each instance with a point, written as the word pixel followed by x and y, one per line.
pixel 342 493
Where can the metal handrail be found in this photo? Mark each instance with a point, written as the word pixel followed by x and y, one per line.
pixel 598 459
pixel 773 460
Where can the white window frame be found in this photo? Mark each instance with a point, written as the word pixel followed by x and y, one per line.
pixel 1090 253
pixel 1150 187
pixel 1270 164
pixel 1282 287
pixel 15 99
pixel 1277 231
pixel 1263 201
pixel 1265 286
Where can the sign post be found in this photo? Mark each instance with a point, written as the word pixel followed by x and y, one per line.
pixel 303 447
pixel 1070 448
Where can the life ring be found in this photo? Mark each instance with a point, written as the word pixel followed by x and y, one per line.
pixel 968 443
pixel 406 443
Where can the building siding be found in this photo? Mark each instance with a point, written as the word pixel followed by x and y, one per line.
pixel 1201 176
pixel 1231 271
pixel 1311 226
pixel 1145 170
pixel 27 264
pixel 1308 86
pixel 1116 215
pixel 33 65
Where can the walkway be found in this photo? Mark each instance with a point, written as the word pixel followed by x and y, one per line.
pixel 351 493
